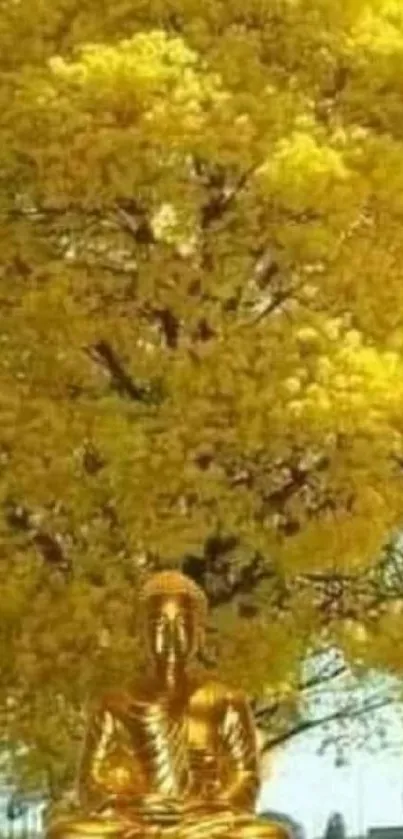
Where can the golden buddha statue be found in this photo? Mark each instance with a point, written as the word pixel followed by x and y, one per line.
pixel 176 757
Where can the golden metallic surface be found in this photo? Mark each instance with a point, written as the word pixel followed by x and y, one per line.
pixel 176 758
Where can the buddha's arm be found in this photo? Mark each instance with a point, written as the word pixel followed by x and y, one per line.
pixel 88 795
pixel 93 750
pixel 239 738
pixel 115 773
pixel 104 768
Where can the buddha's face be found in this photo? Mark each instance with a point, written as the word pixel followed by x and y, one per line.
pixel 171 627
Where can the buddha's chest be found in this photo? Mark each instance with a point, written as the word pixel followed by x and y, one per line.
pixel 174 731
pixel 156 739
pixel 161 746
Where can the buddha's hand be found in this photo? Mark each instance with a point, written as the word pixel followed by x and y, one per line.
pixel 206 804
pixel 162 802
pixel 154 805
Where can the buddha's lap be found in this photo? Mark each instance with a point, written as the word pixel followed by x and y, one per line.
pixel 228 825
pixel 224 825
pixel 90 826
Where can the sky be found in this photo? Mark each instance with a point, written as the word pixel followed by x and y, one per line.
pixel 308 787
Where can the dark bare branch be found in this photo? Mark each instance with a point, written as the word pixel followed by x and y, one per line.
pixel 323 677
pixel 133 219
pixel 213 571
pixel 221 196
pixel 169 325
pixel 274 303
pixel 121 381
pixel 344 713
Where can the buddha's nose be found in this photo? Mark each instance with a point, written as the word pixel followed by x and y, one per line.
pixel 175 639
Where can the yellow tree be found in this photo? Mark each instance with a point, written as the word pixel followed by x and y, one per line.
pixel 201 335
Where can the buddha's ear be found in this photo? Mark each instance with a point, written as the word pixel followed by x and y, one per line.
pixel 201 639
pixel 203 631
pixel 207 647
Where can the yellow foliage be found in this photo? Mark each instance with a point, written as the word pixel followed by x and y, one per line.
pixel 201 323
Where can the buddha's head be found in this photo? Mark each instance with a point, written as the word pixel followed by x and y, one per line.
pixel 175 611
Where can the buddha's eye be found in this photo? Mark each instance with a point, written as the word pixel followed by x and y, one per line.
pixel 182 631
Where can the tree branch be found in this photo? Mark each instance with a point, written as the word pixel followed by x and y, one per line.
pixel 170 326
pixel 214 572
pixel 221 196
pixel 271 305
pixel 308 725
pixel 121 381
pixel 133 219
pixel 323 678
pixel 263 713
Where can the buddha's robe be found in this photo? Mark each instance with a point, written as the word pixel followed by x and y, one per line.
pixel 180 767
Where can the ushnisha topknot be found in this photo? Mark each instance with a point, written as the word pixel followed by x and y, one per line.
pixel 175 583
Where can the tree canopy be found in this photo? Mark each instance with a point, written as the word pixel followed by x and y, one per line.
pixel 201 331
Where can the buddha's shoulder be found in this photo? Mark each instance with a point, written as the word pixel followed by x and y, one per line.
pixel 217 694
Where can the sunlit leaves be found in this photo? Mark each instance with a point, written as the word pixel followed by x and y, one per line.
pixel 201 330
